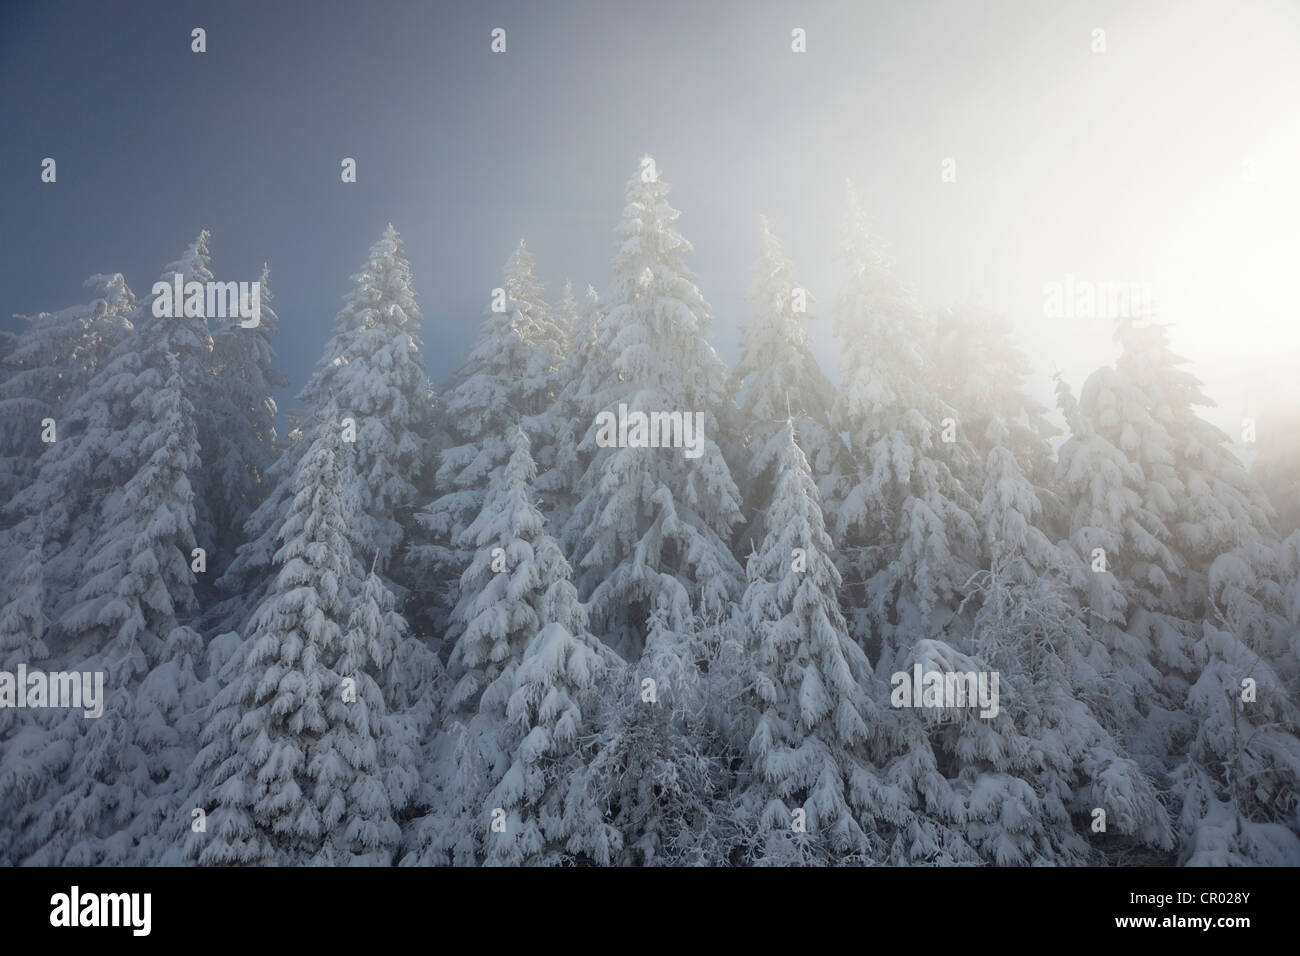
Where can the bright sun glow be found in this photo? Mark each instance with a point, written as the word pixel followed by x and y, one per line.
pixel 1229 285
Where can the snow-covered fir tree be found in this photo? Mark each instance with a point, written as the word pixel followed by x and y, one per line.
pixel 566 319
pixel 1122 543
pixel 778 377
pixel 372 372
pixel 1037 770
pixel 654 526
pixel 27 761
pixel 1204 604
pixel 564 424
pixel 650 535
pixel 236 428
pixel 810 793
pixel 522 286
pixel 657 767
pixel 49 365
pixel 982 376
pixel 105 426
pixel 1238 782
pixel 1203 491
pixel 112 510
pixel 128 623
pixel 548 702
pixel 904 521
pixel 295 764
pixel 506 379
pixel 524 668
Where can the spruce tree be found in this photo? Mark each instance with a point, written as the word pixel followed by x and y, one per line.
pixel 505 380
pixel 811 794
pixel 564 424
pixel 295 765
pixel 1046 752
pixel 49 364
pixel 982 376
pixel 514 717
pixel 105 428
pixel 237 428
pixel 778 377
pixel 371 372
pixel 652 525
pixel 127 623
pixel 904 522
pixel 1115 535
pixel 28 762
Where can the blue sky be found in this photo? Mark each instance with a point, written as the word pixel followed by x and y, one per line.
pixel 1112 166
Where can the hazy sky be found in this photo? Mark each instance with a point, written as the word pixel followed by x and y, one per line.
pixel 1171 158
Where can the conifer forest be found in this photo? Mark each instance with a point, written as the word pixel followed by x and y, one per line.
pixel 782 552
